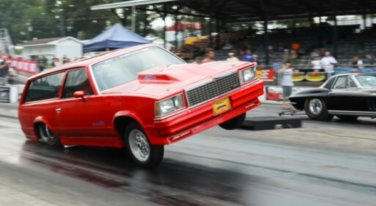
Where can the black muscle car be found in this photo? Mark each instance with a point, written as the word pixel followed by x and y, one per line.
pixel 347 96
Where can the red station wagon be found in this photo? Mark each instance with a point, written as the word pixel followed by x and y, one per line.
pixel 140 98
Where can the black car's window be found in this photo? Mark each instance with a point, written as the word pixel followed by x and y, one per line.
pixel 341 83
pixel 76 81
pixel 44 88
pixel 125 68
pixel 351 83
pixel 330 82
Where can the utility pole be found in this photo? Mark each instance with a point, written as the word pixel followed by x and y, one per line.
pixel 134 19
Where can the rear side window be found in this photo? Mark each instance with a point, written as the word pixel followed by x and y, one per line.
pixel 330 82
pixel 76 81
pixel 44 88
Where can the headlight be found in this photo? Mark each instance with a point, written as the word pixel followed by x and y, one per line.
pixel 169 105
pixel 247 74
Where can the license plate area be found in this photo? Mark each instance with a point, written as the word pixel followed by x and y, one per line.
pixel 221 106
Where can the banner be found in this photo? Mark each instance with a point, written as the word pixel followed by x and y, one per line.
pixel 24 66
pixel 265 74
pixel 4 94
pixel 309 76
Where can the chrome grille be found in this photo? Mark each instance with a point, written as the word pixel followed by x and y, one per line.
pixel 219 86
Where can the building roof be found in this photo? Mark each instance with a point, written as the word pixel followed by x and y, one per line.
pixel 255 10
pixel 47 41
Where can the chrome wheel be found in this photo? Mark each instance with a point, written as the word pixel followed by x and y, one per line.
pixel 315 106
pixel 46 134
pixel 139 145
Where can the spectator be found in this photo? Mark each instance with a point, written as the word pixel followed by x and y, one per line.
pixel 287 84
pixel 285 56
pixel 56 62
pixel 42 63
pixel 328 63
pixel 232 58
pixel 210 54
pixel 4 70
pixel 293 57
pixel 66 60
pixel 248 57
pixel 369 61
pixel 256 60
pixel 316 63
pixel 357 63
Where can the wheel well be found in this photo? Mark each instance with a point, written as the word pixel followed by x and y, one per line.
pixel 121 123
pixel 36 125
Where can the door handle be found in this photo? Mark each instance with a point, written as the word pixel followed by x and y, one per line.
pixel 58 110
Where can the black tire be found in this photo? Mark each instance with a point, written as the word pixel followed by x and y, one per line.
pixel 47 136
pixel 321 114
pixel 155 152
pixel 234 123
pixel 347 118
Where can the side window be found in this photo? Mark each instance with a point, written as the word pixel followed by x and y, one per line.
pixel 330 82
pixel 352 83
pixel 44 88
pixel 76 80
pixel 341 83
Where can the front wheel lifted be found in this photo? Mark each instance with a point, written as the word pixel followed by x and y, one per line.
pixel 140 149
pixel 47 136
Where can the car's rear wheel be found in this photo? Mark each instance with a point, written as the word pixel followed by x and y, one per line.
pixel 234 123
pixel 139 147
pixel 316 109
pixel 47 136
pixel 347 118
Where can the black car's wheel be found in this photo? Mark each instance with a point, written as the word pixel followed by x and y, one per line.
pixel 234 123
pixel 347 118
pixel 139 147
pixel 47 136
pixel 316 109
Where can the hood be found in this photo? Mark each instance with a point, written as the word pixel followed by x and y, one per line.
pixel 163 80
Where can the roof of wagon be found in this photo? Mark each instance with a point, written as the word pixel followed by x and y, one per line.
pixel 89 60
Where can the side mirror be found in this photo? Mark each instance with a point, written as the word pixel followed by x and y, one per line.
pixel 79 94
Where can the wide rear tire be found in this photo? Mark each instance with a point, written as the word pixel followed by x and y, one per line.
pixel 234 123
pixel 316 109
pixel 47 136
pixel 139 147
pixel 347 118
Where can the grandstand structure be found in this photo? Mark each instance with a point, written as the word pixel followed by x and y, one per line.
pixel 343 41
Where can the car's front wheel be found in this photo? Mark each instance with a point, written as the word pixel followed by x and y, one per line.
pixel 316 109
pixel 139 147
pixel 47 136
pixel 347 118
pixel 234 123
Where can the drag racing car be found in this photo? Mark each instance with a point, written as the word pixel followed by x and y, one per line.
pixel 347 96
pixel 140 98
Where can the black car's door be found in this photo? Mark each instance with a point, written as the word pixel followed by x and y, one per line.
pixel 344 95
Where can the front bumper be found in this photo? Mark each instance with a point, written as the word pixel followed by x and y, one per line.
pixel 200 118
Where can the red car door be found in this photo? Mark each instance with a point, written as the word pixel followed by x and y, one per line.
pixel 80 119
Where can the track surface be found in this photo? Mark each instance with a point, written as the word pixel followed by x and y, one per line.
pixel 310 167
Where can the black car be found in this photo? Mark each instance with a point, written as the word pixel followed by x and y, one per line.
pixel 347 96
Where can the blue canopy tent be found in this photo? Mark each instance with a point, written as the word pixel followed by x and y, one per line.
pixel 115 37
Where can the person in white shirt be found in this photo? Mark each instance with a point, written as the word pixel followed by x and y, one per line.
pixel 328 63
pixel 232 58
pixel 287 84
pixel 316 63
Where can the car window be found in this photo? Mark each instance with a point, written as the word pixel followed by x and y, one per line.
pixel 329 83
pixel 341 83
pixel 44 88
pixel 76 80
pixel 125 68
pixel 352 82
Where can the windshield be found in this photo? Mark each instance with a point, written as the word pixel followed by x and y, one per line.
pixel 124 68
pixel 367 80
